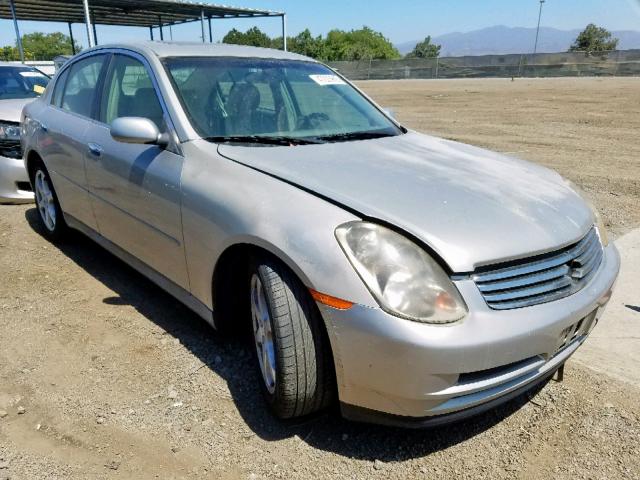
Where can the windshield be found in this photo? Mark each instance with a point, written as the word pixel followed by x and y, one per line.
pixel 21 82
pixel 282 101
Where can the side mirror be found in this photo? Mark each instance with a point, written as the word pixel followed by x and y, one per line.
pixel 138 130
pixel 390 112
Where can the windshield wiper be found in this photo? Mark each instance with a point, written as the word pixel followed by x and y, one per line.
pixel 344 137
pixel 263 139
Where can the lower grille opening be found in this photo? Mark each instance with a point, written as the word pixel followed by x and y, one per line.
pixel 24 186
pixel 10 149
pixel 480 375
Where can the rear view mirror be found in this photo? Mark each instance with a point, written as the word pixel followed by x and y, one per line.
pixel 137 130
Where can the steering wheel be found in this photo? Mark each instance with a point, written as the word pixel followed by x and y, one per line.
pixel 314 120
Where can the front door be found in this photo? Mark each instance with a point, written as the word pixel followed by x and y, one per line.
pixel 135 189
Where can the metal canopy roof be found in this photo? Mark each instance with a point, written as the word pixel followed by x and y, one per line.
pixel 133 13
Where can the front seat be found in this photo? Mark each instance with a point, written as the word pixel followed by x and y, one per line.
pixel 241 106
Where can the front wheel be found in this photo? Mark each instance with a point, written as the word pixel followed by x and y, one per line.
pixel 47 203
pixel 291 349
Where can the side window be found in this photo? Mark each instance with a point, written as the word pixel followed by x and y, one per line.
pixel 80 87
pixel 56 98
pixel 129 92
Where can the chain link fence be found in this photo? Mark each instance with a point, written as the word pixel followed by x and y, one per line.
pixel 570 64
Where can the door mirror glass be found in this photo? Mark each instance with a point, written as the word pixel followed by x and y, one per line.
pixel 137 130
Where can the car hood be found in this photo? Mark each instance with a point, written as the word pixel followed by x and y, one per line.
pixel 11 110
pixel 473 207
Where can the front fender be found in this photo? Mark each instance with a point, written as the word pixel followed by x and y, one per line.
pixel 226 204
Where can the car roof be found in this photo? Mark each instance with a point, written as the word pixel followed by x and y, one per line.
pixel 199 49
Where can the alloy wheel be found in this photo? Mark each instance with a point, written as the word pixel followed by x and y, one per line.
pixel 45 200
pixel 263 334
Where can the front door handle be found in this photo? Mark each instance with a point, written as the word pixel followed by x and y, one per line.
pixel 95 149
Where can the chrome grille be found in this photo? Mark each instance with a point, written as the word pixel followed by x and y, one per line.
pixel 541 279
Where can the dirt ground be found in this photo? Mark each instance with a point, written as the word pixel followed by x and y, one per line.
pixel 104 376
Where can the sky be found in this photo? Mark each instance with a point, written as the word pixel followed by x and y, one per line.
pixel 398 20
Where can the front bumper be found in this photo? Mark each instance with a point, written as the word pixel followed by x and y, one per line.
pixel 414 371
pixel 14 181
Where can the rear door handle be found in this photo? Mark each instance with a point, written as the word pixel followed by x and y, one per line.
pixel 95 149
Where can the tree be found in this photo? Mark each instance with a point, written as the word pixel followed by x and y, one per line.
pixel 425 49
pixel 306 44
pixel 253 37
pixel 594 39
pixel 9 53
pixel 46 46
pixel 361 44
pixel 338 45
pixel 40 46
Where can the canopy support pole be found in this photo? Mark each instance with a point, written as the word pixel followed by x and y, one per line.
pixel 151 33
pixel 87 21
pixel 73 42
pixel 95 32
pixel 204 39
pixel 160 26
pixel 284 32
pixel 15 26
pixel 210 31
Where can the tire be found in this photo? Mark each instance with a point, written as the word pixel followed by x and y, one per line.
pixel 50 213
pixel 302 378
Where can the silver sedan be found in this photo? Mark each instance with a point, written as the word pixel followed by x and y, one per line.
pixel 413 279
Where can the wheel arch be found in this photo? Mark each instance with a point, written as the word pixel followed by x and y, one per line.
pixel 30 159
pixel 232 268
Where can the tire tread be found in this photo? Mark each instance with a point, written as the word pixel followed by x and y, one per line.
pixel 305 380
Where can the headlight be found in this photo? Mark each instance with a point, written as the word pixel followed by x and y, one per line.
pixel 402 277
pixel 9 131
pixel 602 231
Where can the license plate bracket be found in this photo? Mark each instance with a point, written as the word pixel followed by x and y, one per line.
pixel 579 329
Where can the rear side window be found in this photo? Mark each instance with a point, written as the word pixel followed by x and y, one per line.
pixel 80 87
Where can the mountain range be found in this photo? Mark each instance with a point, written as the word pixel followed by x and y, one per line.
pixel 501 40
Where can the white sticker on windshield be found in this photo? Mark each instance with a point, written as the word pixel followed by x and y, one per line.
pixel 327 80
pixel 29 74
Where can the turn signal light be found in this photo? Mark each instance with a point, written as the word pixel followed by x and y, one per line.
pixel 334 302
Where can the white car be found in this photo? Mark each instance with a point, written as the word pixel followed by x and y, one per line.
pixel 19 85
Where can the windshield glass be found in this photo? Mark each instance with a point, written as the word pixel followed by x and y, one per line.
pixel 21 82
pixel 236 99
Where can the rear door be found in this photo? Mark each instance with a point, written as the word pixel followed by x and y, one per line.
pixel 64 124
pixel 135 189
